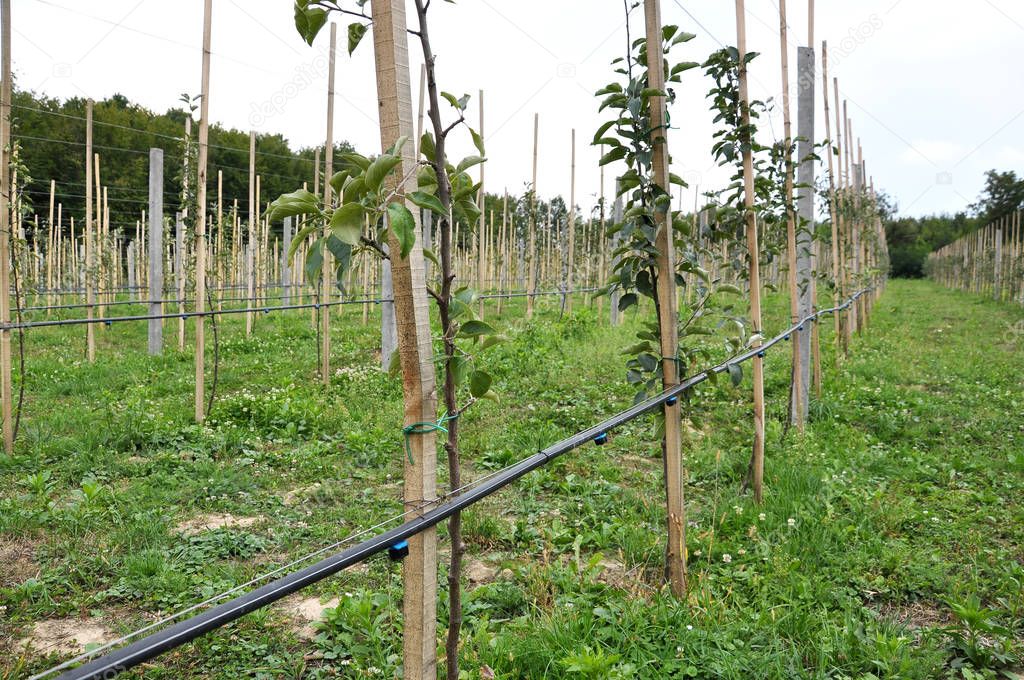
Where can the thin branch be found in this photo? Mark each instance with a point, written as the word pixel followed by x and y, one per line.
pixel 373 245
pixel 462 119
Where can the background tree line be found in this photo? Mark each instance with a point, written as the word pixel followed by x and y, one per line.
pixel 912 238
pixel 51 137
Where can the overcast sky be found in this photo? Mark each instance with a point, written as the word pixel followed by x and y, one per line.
pixel 934 86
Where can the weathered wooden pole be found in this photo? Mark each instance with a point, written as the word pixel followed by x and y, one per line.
pixel 481 257
pixel 156 248
pixel 326 275
pixel 753 250
pixel 572 204
pixel 419 569
pixel 250 292
pixel 286 273
pixel 531 264
pixel 668 315
pixel 204 132
pixel 6 385
pixel 90 292
pixel 832 207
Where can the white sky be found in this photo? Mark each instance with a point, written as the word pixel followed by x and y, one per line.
pixel 934 86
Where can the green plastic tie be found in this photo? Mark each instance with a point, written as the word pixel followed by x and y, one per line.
pixel 424 428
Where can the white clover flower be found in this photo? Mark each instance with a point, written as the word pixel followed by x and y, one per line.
pixel 737 509
pixel 791 522
pixel 741 551
pixel 727 558
pixel 761 516
pixel 689 627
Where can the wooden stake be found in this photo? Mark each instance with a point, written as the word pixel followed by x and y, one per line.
pixel 832 208
pixel 481 265
pixel 50 248
pixel 572 190
pixel 204 130
pixel 531 264
pixel 6 385
pixel 250 293
pixel 419 569
pixel 90 295
pixel 668 316
pixel 757 456
pixel 326 273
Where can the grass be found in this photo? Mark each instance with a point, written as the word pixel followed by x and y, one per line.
pixel 890 543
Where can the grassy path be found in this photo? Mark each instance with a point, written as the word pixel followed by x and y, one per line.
pixel 891 542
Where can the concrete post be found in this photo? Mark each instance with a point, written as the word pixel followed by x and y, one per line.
pixel 156 247
pixel 286 273
pixel 388 329
pixel 805 222
pixel 179 274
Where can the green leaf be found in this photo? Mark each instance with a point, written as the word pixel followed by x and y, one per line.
pixel 478 141
pixel 736 373
pixel 309 21
pixel 338 181
pixel 314 261
pixel 468 162
pixel 460 369
pixel 465 295
pixel 729 288
pixel 298 202
pixel 341 251
pixel 479 383
pixel 601 131
pixel 353 190
pixel 379 169
pixel 616 154
pixel 451 100
pixel 426 179
pixel 427 146
pixel 355 34
pixel 354 162
pixel 347 223
pixel 492 340
pixel 429 254
pixel 427 202
pixel 403 226
pixel 396 148
pixel 300 237
pixel 682 66
pixel 475 328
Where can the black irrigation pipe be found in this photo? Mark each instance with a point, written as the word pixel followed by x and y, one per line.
pixel 242 310
pixel 151 646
